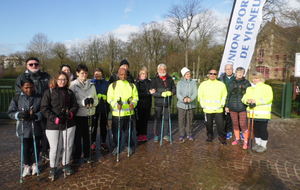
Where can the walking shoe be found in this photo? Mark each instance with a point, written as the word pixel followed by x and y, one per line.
pixel 114 152
pixel 52 174
pixel 241 135
pixel 26 171
pixel 222 140
pixel 255 147
pixel 68 170
pixel 167 138
pixel 229 135
pixel 245 145
pixel 129 150
pixel 209 139
pixel 87 160
pixel 93 147
pixel 190 138
pixel 261 149
pixel 156 139
pixel 145 138
pixel 181 139
pixel 104 147
pixel 235 142
pixel 140 138
pixel 34 169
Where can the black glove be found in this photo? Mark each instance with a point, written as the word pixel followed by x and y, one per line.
pixel 252 105
pixel 33 117
pixel 88 101
pixel 120 102
pixel 24 115
pixel 91 101
pixel 63 116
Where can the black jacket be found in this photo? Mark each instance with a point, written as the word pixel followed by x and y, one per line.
pixel 161 86
pixel 236 91
pixel 22 102
pixel 40 80
pixel 55 102
pixel 143 87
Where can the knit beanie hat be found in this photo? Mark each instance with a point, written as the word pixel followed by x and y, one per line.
pixel 184 70
pixel 124 62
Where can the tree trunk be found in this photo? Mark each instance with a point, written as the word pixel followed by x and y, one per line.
pixel 186 55
pixel 198 68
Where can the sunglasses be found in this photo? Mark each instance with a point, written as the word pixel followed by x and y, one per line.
pixel 212 73
pixel 35 64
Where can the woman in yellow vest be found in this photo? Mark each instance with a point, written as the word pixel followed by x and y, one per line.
pixel 259 99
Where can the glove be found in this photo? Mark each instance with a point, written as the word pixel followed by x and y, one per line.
pixel 33 117
pixel 57 121
pixel 164 94
pixel 252 105
pixel 104 97
pixel 88 101
pixel 169 93
pixel 99 96
pixel 24 115
pixel 92 101
pixel 71 115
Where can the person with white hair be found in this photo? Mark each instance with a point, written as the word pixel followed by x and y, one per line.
pixel 186 94
pixel 162 88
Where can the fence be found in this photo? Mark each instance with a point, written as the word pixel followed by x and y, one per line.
pixel 6 94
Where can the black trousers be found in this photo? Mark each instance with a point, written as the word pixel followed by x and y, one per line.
pixel 43 139
pixel 218 117
pixel 143 114
pixel 28 154
pixel 81 141
pixel 260 129
pixel 228 123
pixel 124 126
pixel 158 120
pixel 101 114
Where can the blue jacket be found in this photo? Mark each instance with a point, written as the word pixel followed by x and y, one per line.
pixel 186 88
pixel 101 86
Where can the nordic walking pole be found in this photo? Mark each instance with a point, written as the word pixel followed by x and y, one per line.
pixel 119 128
pixel 170 122
pixel 22 151
pixel 162 122
pixel 34 144
pixel 66 141
pixel 251 131
pixel 90 130
pixel 129 129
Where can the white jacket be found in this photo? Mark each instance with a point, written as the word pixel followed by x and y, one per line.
pixel 83 91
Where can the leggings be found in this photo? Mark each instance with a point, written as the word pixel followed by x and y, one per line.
pixel 29 157
pixel 260 129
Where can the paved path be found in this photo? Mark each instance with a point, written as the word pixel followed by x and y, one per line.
pixel 191 165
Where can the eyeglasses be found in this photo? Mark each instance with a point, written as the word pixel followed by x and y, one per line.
pixel 212 73
pixel 35 64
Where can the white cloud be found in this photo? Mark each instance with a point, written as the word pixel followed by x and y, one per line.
pixel 127 10
pixel 293 3
pixel 123 31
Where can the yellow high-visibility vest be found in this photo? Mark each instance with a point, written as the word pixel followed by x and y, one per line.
pixel 263 96
pixel 212 96
pixel 125 91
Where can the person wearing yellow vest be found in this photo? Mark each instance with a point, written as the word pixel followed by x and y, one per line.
pixel 123 98
pixel 259 99
pixel 212 96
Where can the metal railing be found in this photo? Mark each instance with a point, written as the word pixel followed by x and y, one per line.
pixel 6 94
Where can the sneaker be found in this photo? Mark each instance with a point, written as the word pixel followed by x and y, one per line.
pixel 235 142
pixel 229 135
pixel 68 170
pixel 129 150
pixel 222 140
pixel 166 138
pixel 145 138
pixel 93 147
pixel 255 147
pixel 26 171
pixel 104 147
pixel 242 136
pixel 245 145
pixel 52 174
pixel 190 138
pixel 34 169
pixel 181 139
pixel 261 149
pixel 156 139
pixel 114 152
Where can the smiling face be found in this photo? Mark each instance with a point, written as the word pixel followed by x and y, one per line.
pixel 82 75
pixel 187 76
pixel 228 69
pixel 122 74
pixel 162 71
pixel 27 88
pixel 98 75
pixel 62 81
pixel 66 70
pixel 212 75
pixel 239 74
pixel 33 66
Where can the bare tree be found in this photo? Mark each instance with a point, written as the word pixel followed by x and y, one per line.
pixel 60 50
pixel 183 18
pixel 79 53
pixel 113 50
pixel 39 46
pixel 95 51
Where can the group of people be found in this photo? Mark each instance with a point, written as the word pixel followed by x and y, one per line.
pixel 65 111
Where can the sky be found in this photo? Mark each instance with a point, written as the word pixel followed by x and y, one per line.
pixel 72 20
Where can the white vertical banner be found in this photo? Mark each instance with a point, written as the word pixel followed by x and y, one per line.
pixel 243 29
pixel 297 65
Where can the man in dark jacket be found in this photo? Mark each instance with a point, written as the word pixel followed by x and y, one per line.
pixel 41 84
pixel 125 65
pixel 227 79
pixel 162 88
